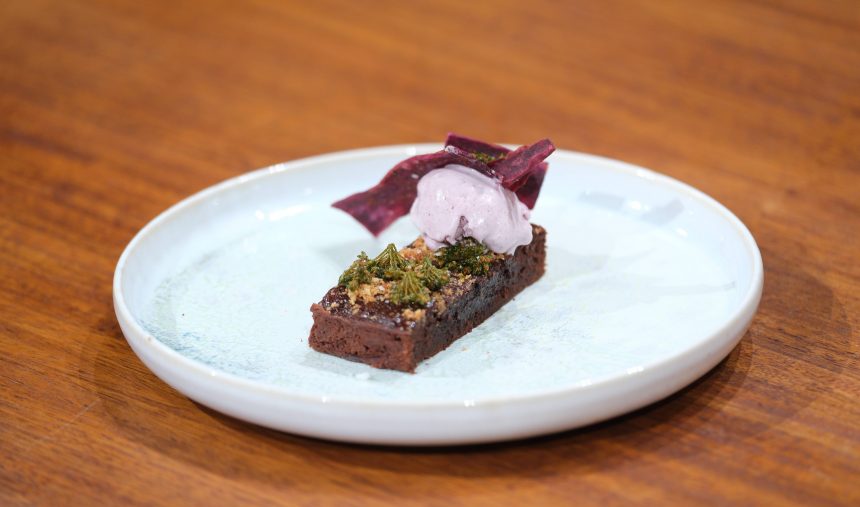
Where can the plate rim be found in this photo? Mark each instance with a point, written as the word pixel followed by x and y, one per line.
pixel 137 336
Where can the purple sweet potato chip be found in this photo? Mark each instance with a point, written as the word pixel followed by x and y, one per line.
pixel 521 171
pixel 530 188
pixel 520 162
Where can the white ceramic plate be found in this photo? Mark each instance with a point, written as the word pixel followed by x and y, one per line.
pixel 649 284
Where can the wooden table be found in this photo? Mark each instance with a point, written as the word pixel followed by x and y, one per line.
pixel 110 111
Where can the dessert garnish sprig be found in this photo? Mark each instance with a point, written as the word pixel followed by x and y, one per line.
pixel 432 277
pixel 467 256
pixel 409 290
pixel 389 264
pixel 358 273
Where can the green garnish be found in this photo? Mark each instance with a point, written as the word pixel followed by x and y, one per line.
pixel 409 290
pixel 468 256
pixel 389 263
pixel 358 273
pixel 432 277
pixel 413 281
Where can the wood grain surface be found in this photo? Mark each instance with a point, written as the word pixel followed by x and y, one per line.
pixel 111 111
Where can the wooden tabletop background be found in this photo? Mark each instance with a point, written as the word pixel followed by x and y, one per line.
pixel 111 111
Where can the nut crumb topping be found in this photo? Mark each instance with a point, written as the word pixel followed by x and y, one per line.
pixel 411 314
pixel 417 251
pixel 441 306
pixel 377 290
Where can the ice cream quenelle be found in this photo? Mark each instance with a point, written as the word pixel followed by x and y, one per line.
pixel 456 202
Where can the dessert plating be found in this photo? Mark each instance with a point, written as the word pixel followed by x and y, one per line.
pixel 477 250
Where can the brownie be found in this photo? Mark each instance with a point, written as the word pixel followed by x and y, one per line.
pixel 364 325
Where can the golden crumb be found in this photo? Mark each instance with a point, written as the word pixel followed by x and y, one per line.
pixel 366 292
pixel 411 254
pixel 411 314
pixel 463 277
pixel 416 251
pixel 370 292
pixel 440 303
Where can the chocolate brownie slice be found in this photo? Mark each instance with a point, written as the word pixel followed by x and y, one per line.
pixel 362 322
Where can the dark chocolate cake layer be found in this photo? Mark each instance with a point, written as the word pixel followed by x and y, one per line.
pixel 397 337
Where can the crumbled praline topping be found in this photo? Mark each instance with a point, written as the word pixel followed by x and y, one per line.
pixel 416 251
pixel 410 314
pixel 368 292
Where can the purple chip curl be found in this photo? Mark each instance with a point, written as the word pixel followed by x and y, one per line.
pixel 531 183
